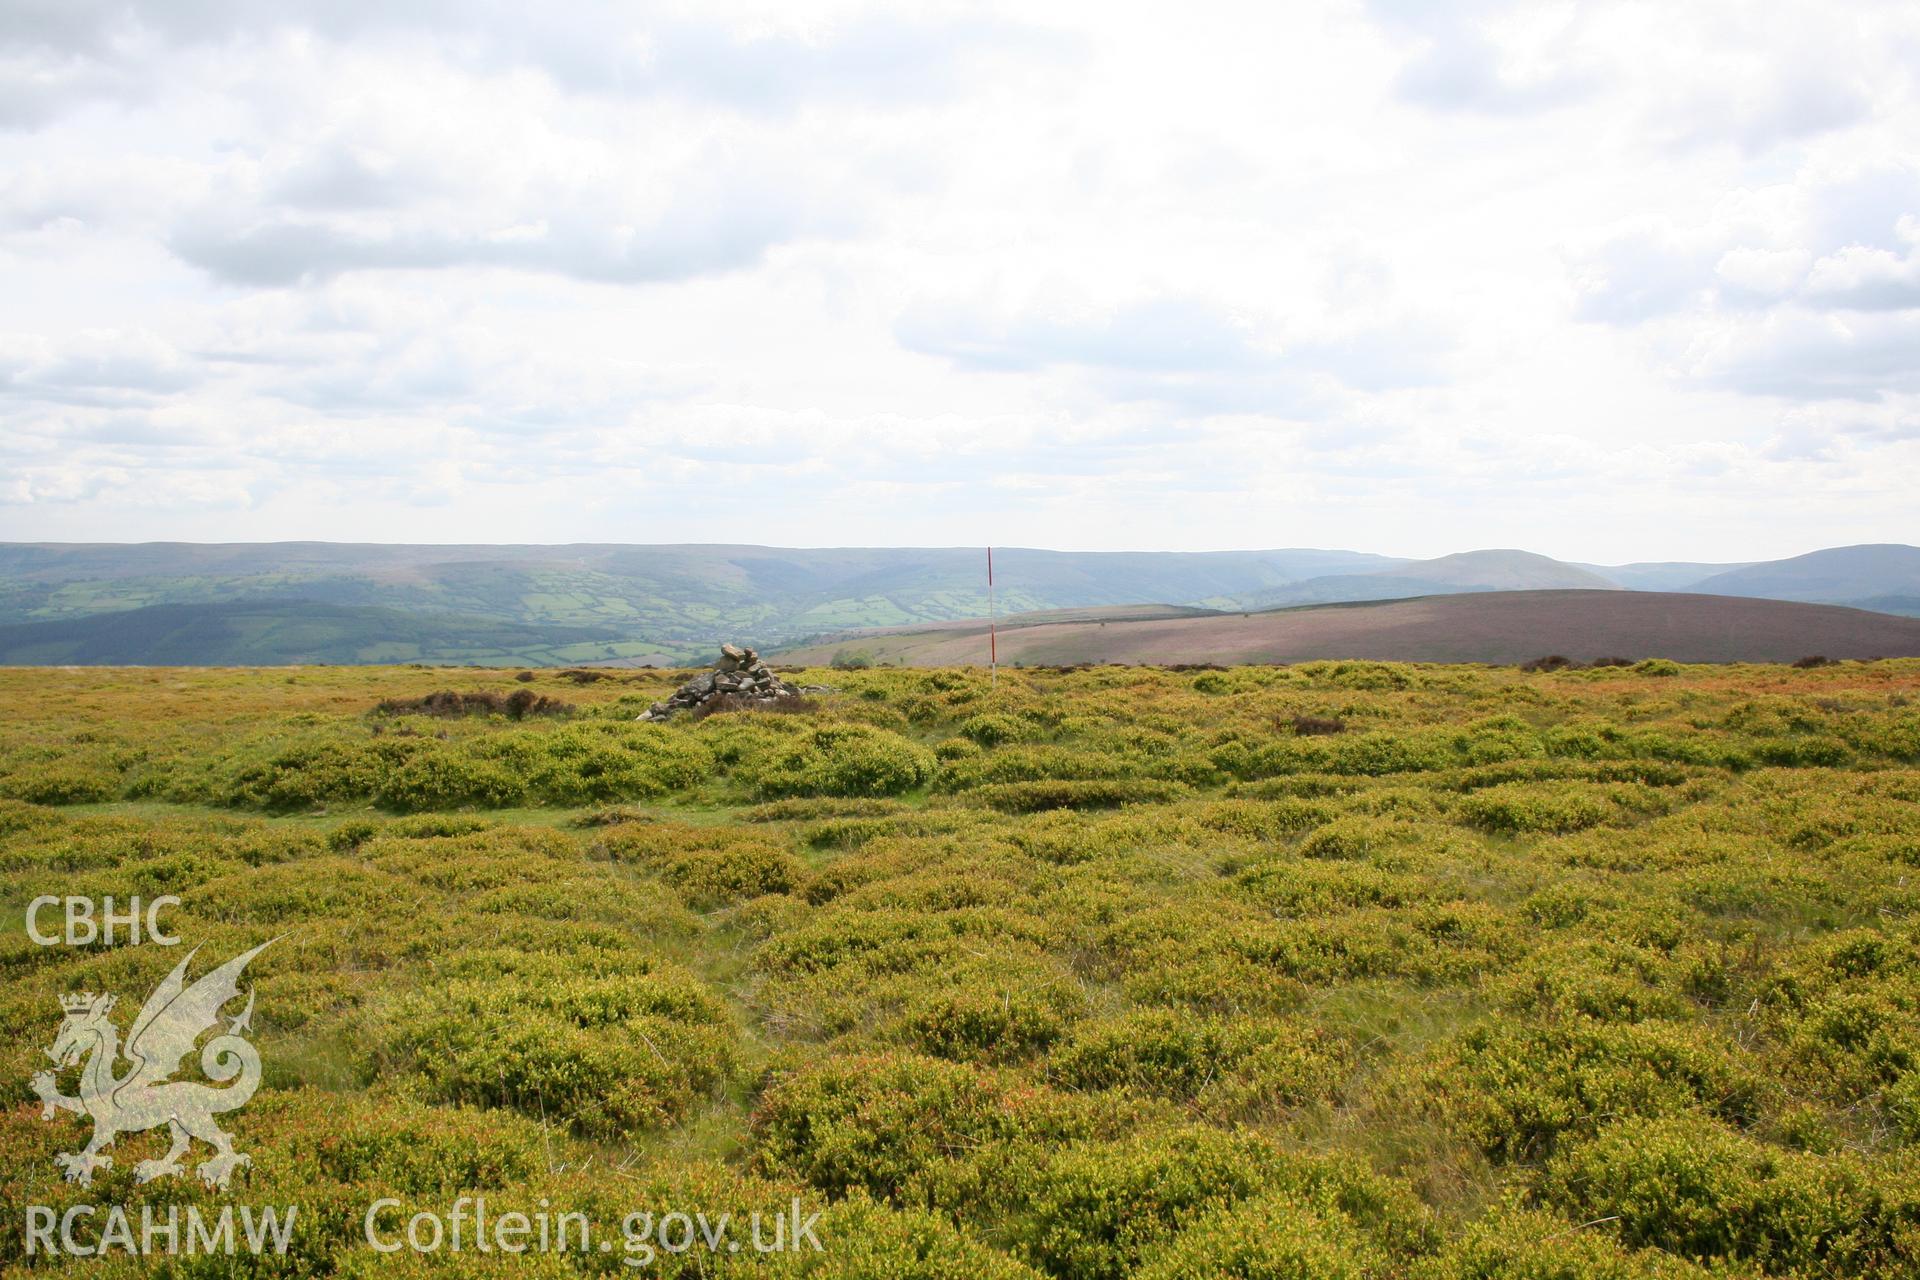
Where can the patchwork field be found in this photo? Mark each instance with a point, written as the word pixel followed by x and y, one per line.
pixel 1342 969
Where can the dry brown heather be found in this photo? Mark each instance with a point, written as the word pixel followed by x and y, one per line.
pixel 1105 972
pixel 1503 626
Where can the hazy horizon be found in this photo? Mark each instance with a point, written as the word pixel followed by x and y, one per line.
pixel 950 546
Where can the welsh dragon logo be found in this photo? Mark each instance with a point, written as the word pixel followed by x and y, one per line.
pixel 143 1097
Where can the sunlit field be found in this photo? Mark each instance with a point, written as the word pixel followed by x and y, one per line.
pixel 1333 970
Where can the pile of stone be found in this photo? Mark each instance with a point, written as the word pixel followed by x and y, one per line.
pixel 739 674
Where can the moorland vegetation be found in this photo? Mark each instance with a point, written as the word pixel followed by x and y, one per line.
pixel 1337 969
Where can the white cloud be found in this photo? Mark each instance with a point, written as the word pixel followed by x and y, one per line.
pixel 1401 276
pixel 93 368
pixel 1862 278
pixel 1147 336
pixel 66 54
pixel 1187 351
pixel 1809 355
pixel 1808 291
pixel 1761 274
pixel 1482 58
pixel 1637 274
pixel 697 238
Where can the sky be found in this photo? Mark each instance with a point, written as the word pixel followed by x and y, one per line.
pixel 1608 281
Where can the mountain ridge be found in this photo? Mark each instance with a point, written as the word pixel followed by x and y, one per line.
pixel 1856 572
pixel 675 601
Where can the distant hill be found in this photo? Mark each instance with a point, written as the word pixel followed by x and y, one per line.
pixel 1502 627
pixel 1908 605
pixel 1838 574
pixel 1659 575
pixel 255 634
pixel 676 602
pixel 676 599
pixel 1503 570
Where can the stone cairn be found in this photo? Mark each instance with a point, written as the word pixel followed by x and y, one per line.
pixel 738 674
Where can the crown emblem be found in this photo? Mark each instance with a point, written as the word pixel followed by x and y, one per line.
pixel 85 1002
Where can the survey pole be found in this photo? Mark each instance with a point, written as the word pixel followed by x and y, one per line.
pixel 993 632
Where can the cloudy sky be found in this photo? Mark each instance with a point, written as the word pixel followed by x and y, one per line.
pixel 1610 281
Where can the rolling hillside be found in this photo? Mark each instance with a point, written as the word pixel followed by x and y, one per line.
pixel 1502 627
pixel 1659 575
pixel 1502 570
pixel 615 603
pixel 1887 571
pixel 677 600
pixel 256 633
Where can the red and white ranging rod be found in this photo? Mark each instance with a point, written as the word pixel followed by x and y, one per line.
pixel 993 633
